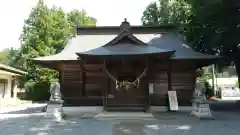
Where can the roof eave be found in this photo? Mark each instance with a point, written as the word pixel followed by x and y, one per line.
pixel 167 54
pixel 12 70
pixel 46 63
pixel 201 62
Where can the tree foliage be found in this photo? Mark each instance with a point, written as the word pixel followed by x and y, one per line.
pixel 214 28
pixel 166 12
pixel 77 18
pixel 211 26
pixel 7 57
pixel 46 32
pixel 4 56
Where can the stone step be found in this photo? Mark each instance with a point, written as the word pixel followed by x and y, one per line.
pixel 125 109
pixel 124 115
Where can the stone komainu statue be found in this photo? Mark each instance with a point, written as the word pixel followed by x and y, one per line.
pixel 55 95
pixel 55 92
pixel 199 89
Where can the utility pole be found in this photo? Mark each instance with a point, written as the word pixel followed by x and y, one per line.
pixel 213 79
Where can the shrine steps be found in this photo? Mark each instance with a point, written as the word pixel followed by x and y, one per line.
pixel 125 109
pixel 77 110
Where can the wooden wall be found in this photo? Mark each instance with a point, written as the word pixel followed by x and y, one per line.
pixel 183 82
pixel 71 80
pixel 182 78
pixel 73 84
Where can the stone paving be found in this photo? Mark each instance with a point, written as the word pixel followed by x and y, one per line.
pixel 164 124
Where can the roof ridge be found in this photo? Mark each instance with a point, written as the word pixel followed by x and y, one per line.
pixel 125 33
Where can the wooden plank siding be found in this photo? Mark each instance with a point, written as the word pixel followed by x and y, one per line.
pixel 183 82
pixel 98 84
pixel 95 84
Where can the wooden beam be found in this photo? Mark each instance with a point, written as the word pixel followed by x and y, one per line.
pixel 169 73
pixel 83 75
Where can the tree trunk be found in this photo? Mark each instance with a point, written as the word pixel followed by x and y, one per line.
pixel 237 66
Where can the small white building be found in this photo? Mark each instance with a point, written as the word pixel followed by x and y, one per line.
pixel 8 81
pixel 224 82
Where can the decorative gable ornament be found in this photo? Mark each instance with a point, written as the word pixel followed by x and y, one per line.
pixel 125 26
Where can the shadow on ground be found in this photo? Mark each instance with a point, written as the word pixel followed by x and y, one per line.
pixel 27 110
pixel 233 105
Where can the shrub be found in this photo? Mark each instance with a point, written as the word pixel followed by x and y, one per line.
pixel 38 91
pixel 209 92
pixel 21 95
pixel 237 84
pixel 199 73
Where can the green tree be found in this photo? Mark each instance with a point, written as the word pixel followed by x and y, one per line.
pixel 4 56
pixel 211 26
pixel 7 57
pixel 167 12
pixel 214 28
pixel 79 18
pixel 12 58
pixel 45 32
pixel 151 15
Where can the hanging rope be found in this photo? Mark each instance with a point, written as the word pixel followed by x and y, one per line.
pixel 127 84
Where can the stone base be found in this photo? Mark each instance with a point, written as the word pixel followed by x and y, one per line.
pixel 202 110
pixel 54 111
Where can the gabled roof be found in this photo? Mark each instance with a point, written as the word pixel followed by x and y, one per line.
pixel 125 34
pixel 161 40
pixel 125 44
pixel 174 41
pixel 169 41
pixel 126 50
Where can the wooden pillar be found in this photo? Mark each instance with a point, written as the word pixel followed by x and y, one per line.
pixel 4 88
pixel 147 83
pixel 106 91
pixel 83 76
pixel 61 78
pixel 13 82
pixel 169 73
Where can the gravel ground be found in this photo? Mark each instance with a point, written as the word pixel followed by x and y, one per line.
pixel 166 124
pixel 31 121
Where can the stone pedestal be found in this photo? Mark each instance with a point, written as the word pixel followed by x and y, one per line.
pixel 201 108
pixel 54 110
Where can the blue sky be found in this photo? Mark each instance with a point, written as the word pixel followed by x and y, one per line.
pixel 107 12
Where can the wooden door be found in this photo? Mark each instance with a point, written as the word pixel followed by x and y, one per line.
pixel 134 97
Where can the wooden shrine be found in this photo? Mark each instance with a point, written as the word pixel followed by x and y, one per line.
pixel 112 67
